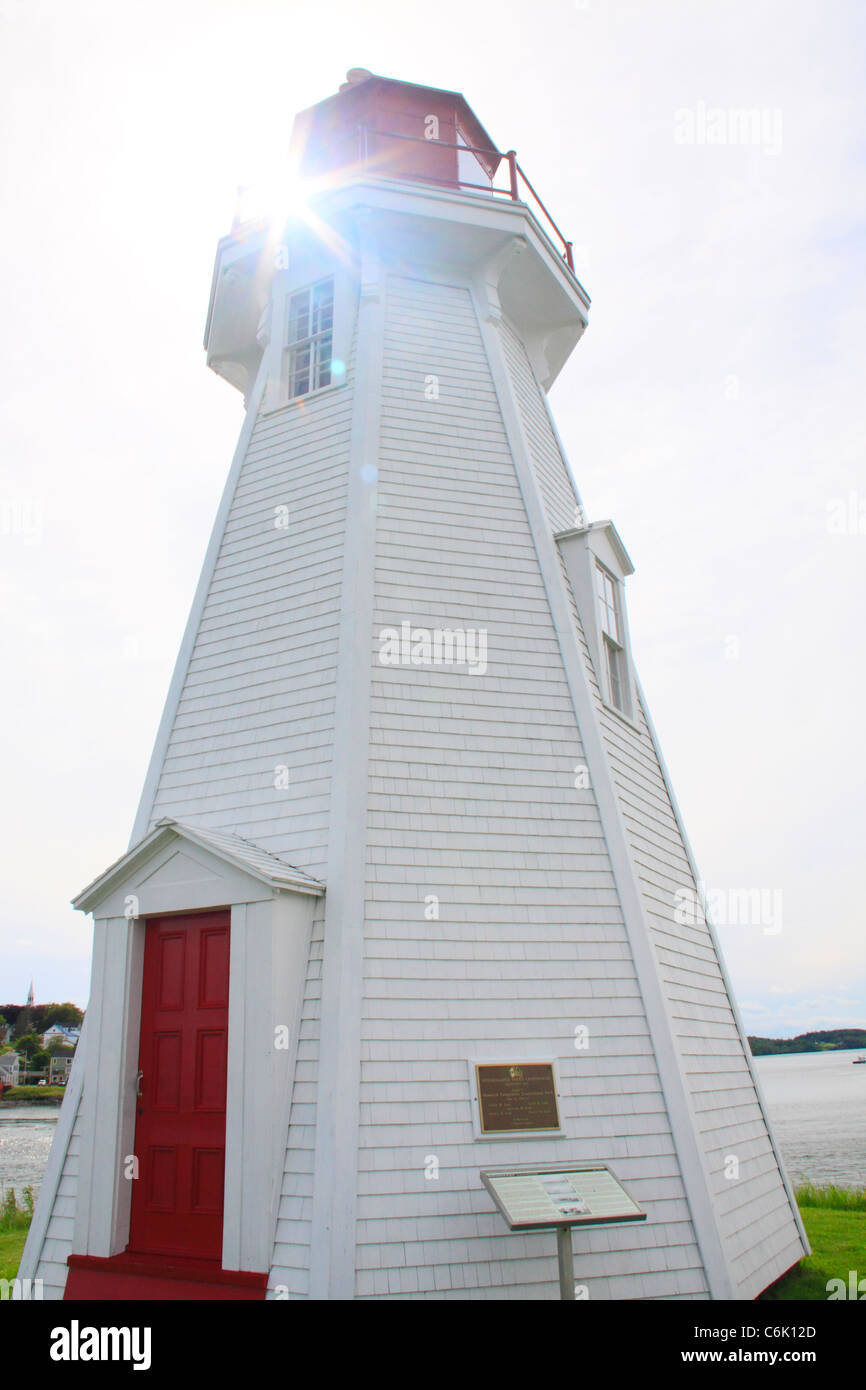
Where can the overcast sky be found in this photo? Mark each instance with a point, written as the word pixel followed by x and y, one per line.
pixel 713 409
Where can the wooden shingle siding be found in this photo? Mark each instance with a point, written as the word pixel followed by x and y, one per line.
pixel 291 1258
pixel 259 692
pixel 57 1244
pixel 723 1096
pixel 472 798
pixel 554 480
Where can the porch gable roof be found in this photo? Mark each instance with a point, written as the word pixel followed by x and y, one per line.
pixel 239 853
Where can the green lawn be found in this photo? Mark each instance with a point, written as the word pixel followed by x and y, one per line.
pixel 11 1246
pixel 838 1241
pixel 835 1221
pixel 14 1225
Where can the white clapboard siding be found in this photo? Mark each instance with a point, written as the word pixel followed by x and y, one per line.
pixel 290 1269
pixel 259 691
pixel 472 798
pixel 554 480
pixel 57 1243
pixel 755 1218
pixel 754 1213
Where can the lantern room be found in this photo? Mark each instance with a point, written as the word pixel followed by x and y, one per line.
pixel 397 130
pixel 417 167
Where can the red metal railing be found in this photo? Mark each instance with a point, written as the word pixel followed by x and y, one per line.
pixel 508 161
pixel 367 157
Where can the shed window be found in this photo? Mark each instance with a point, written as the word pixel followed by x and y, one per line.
pixel 311 338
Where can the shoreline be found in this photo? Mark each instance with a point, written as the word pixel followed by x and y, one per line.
pixel 51 1103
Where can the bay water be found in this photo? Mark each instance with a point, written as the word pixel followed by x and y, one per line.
pixel 816 1101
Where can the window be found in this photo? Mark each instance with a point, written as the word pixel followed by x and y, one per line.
pixel 469 167
pixel 612 638
pixel 311 334
pixel 597 565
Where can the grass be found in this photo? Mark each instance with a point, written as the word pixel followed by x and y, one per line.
pixel 808 1194
pixel 14 1225
pixel 11 1250
pixel 835 1221
pixel 40 1093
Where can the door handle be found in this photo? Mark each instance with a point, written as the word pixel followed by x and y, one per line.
pixel 138 1082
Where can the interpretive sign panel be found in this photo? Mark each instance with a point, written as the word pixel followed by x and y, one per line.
pixel 517 1096
pixel 559 1195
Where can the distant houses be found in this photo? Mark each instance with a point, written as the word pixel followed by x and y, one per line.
pixel 10 1067
pixel 30 1052
pixel 58 1071
pixel 63 1033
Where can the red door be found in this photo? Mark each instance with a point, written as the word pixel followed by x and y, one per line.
pixel 180 1131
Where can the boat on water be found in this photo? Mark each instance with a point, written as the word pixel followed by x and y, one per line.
pixel 859 1061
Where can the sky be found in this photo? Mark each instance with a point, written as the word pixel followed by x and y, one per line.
pixel 712 410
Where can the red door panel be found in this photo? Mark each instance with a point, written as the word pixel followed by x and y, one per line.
pixel 180 1132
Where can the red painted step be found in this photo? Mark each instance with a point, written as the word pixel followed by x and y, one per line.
pixel 153 1278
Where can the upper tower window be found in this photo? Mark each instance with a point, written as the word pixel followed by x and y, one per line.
pixel 597 566
pixel 612 637
pixel 311 338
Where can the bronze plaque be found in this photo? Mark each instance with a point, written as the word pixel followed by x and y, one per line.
pixel 517 1096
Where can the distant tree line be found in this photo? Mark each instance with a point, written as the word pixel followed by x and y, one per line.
pixel 21 1029
pixel 831 1040
pixel 20 1019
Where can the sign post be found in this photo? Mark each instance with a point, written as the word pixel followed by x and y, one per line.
pixel 566 1262
pixel 559 1196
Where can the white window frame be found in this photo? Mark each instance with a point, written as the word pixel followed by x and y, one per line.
pixel 615 666
pixel 589 551
pixel 303 273
pixel 312 341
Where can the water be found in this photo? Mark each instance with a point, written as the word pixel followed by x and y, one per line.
pixel 817 1105
pixel 26 1132
pixel 816 1100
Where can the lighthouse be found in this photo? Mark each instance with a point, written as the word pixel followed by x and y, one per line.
pixel 404 899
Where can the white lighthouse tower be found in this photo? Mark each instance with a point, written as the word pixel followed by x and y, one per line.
pixel 408 896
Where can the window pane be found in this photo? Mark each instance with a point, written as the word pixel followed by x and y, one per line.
pixel 614 675
pixel 323 360
pixel 323 307
pixel 299 316
pixel 300 374
pixel 607 597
